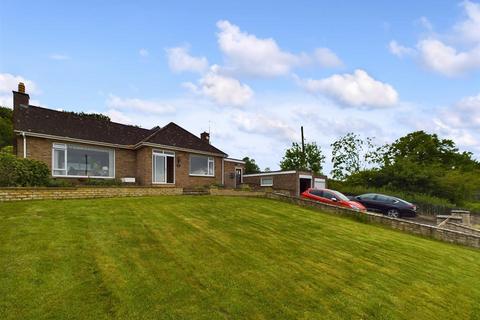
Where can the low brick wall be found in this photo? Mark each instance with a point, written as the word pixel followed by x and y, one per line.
pixel 442 234
pixel 19 194
pixel 230 192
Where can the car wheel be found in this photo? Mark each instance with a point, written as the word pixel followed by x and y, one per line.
pixel 393 213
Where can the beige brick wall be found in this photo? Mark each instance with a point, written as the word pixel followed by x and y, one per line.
pixel 182 169
pixel 19 194
pixel 144 165
pixel 129 163
pixel 182 172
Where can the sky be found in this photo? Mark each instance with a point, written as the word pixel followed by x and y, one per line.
pixel 253 72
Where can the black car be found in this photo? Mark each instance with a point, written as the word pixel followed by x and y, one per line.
pixel 391 206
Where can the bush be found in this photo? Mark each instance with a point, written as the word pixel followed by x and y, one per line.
pixel 18 172
pixel 102 182
pixel 59 183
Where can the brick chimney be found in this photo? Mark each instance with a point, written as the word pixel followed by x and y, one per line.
pixel 205 136
pixel 20 98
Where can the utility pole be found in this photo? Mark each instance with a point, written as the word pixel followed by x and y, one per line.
pixel 303 142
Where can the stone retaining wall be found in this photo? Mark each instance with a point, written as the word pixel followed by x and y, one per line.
pixel 442 234
pixel 230 192
pixel 19 194
pixel 462 228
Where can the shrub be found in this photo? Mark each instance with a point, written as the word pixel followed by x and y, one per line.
pixel 59 183
pixel 102 182
pixel 18 172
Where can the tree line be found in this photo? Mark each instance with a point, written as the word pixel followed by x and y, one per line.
pixel 418 162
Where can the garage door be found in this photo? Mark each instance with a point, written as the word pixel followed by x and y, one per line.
pixel 319 183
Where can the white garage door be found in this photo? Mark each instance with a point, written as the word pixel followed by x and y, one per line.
pixel 319 183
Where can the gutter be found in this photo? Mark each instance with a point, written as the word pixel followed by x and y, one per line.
pixel 24 144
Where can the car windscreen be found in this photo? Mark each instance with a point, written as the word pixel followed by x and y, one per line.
pixel 341 196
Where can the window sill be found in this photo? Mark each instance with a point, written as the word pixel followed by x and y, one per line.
pixel 202 175
pixel 82 177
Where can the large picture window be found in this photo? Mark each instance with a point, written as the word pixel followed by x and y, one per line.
pixel 202 166
pixel 163 166
pixel 71 160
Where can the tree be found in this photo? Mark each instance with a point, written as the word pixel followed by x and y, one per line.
pixel 250 166
pixel 426 149
pixel 350 154
pixel 267 169
pixel 6 127
pixel 295 159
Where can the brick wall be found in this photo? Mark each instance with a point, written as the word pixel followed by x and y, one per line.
pixel 286 182
pixel 19 194
pixel 442 234
pixel 128 163
pixel 229 173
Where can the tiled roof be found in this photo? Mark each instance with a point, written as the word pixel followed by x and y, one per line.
pixel 70 125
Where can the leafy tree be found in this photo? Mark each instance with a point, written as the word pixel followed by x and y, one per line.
pixel 295 159
pixel 250 166
pixel 267 169
pixel 426 149
pixel 6 126
pixel 351 154
pixel 423 163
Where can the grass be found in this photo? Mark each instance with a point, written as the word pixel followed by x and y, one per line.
pixel 222 258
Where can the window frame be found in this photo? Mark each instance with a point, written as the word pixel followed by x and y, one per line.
pixel 64 147
pixel 165 154
pixel 210 160
pixel 262 184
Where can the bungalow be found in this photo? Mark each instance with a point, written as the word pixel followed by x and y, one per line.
pixel 78 146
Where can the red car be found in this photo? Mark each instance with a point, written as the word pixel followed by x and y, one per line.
pixel 333 198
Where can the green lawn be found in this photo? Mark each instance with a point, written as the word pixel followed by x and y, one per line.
pixel 180 257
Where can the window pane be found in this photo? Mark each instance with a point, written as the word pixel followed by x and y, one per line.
pixel 199 165
pixel 58 159
pixel 211 166
pixel 59 172
pixel 170 169
pixel 84 161
pixel 159 167
pixel 266 181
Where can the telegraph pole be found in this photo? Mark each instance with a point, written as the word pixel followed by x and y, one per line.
pixel 303 142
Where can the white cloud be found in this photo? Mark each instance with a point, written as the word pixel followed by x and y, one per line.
pixel 469 28
pixel 132 104
pixel 399 50
pixel 437 52
pixel 143 52
pixel 9 83
pixel 222 89
pixel 265 125
pixel 356 90
pixel 118 116
pixel 327 58
pixel 59 56
pixel 445 59
pixel 180 60
pixel 247 54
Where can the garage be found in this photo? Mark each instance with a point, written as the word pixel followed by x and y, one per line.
pixel 292 182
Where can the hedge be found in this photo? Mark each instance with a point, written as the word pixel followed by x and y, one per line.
pixel 19 172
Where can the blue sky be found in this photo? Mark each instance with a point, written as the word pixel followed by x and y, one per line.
pixel 254 71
